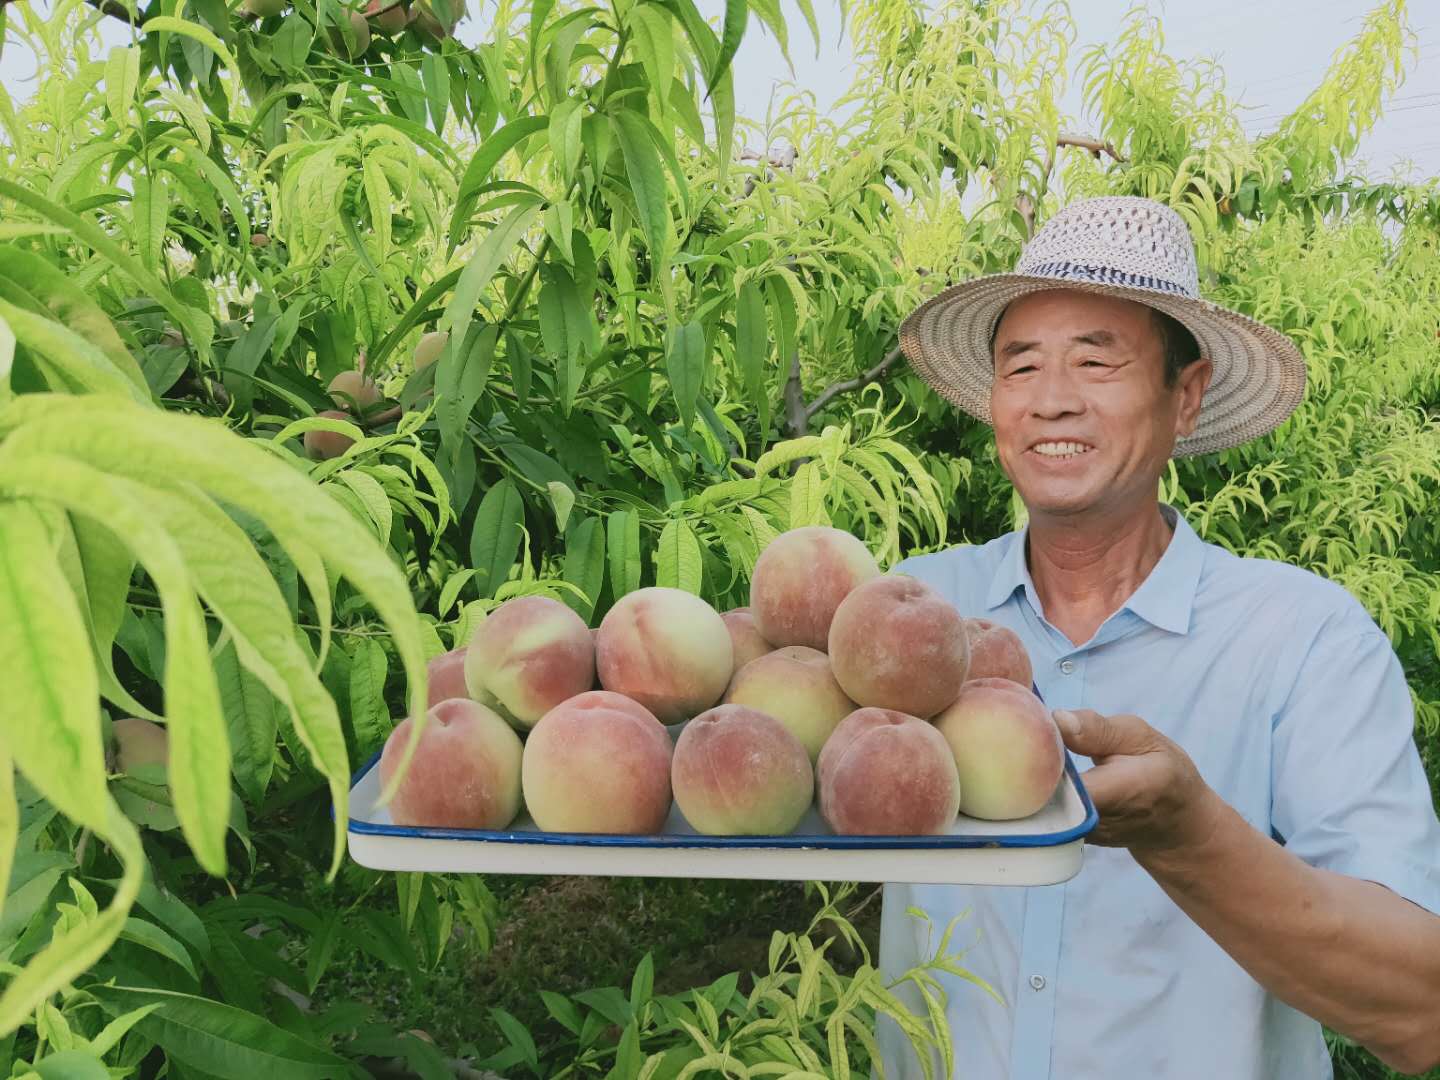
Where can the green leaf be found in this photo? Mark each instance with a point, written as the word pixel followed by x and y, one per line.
pixel 685 364
pixel 122 81
pixel 224 1041
pixel 495 538
pixel 47 712
pixel 460 378
pixel 565 141
pixel 199 771
pixel 369 715
pixel 9 822
pixel 654 39
pixel 252 720
pixel 150 209
pixel 450 592
pixel 71 1065
pixel 647 180
pixel 642 984
pixel 585 565
pixel 313 531
pixel 807 497
pixel 622 530
pixel 194 31
pixel 149 936
pixel 435 74
pixel 562 499
pixel 752 349
pixel 678 562
pixel 482 267
pixel 736 14
pixel 565 330
pixel 477 172
pixel 68 304
pixel 196 324
pixel 68 361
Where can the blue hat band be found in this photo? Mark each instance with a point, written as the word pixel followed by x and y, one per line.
pixel 1104 275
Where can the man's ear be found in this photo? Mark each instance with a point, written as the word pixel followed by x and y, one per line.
pixel 1194 380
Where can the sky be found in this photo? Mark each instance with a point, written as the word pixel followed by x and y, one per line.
pixel 1273 54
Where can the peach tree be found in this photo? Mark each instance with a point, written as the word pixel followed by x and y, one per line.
pixel 592 330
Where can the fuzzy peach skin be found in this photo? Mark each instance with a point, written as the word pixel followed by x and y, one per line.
pixel 446 676
pixel 598 763
pixel 796 686
pixel 745 636
pixel 351 390
pixel 996 652
pixel 530 654
pixel 737 771
pixel 886 773
pixel 666 648
pixel 465 773
pixel 139 743
pixel 800 579
pixel 1007 749
pixel 898 644
pixel 323 445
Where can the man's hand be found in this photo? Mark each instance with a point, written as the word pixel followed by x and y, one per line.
pixel 1146 789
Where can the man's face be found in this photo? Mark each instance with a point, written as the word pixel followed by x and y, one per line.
pixel 1083 418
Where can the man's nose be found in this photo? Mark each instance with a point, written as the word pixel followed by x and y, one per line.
pixel 1054 393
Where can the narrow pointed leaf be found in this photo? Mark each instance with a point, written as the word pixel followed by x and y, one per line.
pixel 622 531
pixel 678 561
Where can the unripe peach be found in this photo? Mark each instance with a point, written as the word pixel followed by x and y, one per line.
pixel 738 771
pixel 896 643
pixel 530 654
pixel 800 579
pixel 429 348
pixel 996 652
pixel 323 445
pixel 886 773
pixel 666 648
pixel 598 762
pixel 353 390
pixel 390 16
pixel 464 774
pixel 358 42
pixel 139 743
pixel 796 686
pixel 1007 749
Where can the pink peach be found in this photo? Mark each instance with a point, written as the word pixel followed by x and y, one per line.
pixel 896 643
pixel 997 652
pixel 886 773
pixel 464 774
pixel 738 771
pixel 599 762
pixel 447 676
pixel 800 579
pixel 796 686
pixel 527 656
pixel 666 648
pixel 1007 749
pixel 745 636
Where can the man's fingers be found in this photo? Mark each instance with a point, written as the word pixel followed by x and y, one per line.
pixel 1087 732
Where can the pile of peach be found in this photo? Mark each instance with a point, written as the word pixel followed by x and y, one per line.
pixel 867 692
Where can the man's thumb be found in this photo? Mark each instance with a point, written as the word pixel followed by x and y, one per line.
pixel 1081 733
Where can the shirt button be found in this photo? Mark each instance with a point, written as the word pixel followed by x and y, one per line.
pixel 1067 666
pixel 1037 982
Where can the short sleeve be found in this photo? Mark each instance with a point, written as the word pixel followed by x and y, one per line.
pixel 1349 793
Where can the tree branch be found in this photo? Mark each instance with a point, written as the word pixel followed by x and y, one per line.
pixel 796 417
pixel 117 10
pixel 1086 142
pixel 835 389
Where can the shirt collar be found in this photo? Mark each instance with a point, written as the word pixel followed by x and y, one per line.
pixel 1164 599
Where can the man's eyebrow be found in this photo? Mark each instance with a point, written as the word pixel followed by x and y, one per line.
pixel 1094 337
pixel 1015 348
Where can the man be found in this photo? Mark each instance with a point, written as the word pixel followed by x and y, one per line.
pixel 1268 856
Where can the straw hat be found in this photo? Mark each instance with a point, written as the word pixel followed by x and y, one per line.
pixel 1133 248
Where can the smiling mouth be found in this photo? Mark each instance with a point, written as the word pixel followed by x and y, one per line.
pixel 1060 451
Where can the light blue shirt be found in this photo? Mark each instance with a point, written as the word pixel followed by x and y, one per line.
pixel 1294 707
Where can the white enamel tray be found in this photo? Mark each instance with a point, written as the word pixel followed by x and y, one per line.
pixel 1043 849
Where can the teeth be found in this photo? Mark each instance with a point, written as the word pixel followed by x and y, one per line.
pixel 1061 449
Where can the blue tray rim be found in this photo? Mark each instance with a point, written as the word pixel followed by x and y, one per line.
pixel 826 841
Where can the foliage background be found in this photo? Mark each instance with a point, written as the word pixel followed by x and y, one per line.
pixel 662 351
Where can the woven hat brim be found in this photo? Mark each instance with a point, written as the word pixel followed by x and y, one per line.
pixel 1259 377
